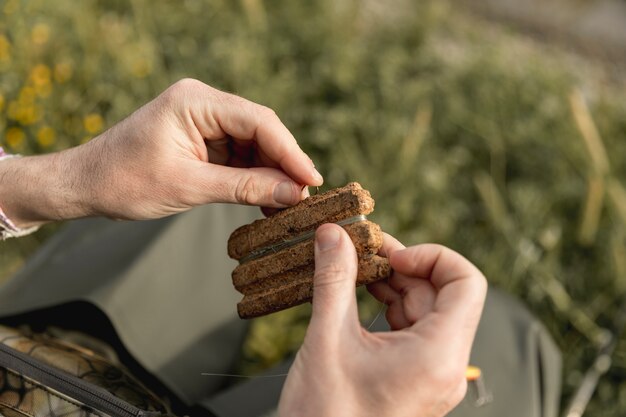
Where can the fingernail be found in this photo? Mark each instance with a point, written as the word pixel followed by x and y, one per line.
pixel 317 177
pixel 285 193
pixel 327 238
pixel 305 192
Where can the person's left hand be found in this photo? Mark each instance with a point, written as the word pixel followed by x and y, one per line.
pixel 435 299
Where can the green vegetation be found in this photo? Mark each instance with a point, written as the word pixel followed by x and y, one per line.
pixel 466 134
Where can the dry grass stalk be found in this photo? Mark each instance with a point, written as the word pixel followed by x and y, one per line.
pixel 617 197
pixel 255 13
pixel 493 200
pixel 589 132
pixel 618 252
pixel 415 137
pixel 592 211
pixel 564 304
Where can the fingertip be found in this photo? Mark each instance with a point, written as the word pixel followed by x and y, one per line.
pixel 390 245
pixel 327 237
pixel 418 260
pixel 316 178
pixel 396 318
pixel 287 193
pixel 335 255
pixel 301 168
pixel 303 193
pixel 383 292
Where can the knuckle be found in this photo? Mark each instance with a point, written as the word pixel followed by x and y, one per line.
pixel 231 99
pixel 180 89
pixel 267 112
pixel 186 84
pixel 248 191
pixel 329 272
pixel 261 112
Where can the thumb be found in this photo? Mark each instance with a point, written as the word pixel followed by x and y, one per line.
pixel 334 297
pixel 265 187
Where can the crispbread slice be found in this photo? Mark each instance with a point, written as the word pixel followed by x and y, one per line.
pixel 330 207
pixel 277 268
pixel 277 254
pixel 300 289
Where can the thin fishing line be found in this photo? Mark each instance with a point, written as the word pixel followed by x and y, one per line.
pixel 380 311
pixel 294 241
pixel 382 307
pixel 243 376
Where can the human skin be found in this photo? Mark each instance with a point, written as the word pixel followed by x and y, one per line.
pixel 191 145
pixel 194 145
pixel 435 299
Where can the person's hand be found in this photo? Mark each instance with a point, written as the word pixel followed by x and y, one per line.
pixel 435 299
pixel 195 145
pixel 191 145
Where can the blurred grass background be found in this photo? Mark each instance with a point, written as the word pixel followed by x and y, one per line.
pixel 467 133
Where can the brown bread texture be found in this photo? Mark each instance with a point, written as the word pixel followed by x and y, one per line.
pixel 299 288
pixel 272 280
pixel 275 268
pixel 330 207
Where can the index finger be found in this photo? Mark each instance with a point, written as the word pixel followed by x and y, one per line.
pixel 461 287
pixel 239 118
pixel 390 244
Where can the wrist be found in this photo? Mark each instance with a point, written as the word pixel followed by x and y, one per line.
pixel 36 190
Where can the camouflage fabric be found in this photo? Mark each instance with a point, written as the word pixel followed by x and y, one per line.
pixel 21 395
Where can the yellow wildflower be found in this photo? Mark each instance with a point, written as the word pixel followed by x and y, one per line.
pixel 93 123
pixel 15 137
pixel 40 75
pixel 11 6
pixel 141 68
pixel 44 90
pixel 5 48
pixel 26 96
pixel 62 72
pixel 13 109
pixel 46 136
pixel 1 102
pixel 28 115
pixel 40 34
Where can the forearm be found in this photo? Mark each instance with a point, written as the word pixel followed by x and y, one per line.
pixel 38 189
pixel 190 146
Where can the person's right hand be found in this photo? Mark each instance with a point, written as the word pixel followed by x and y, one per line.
pixel 195 145
pixel 435 299
pixel 191 145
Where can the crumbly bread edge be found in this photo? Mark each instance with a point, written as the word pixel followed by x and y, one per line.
pixel 332 206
